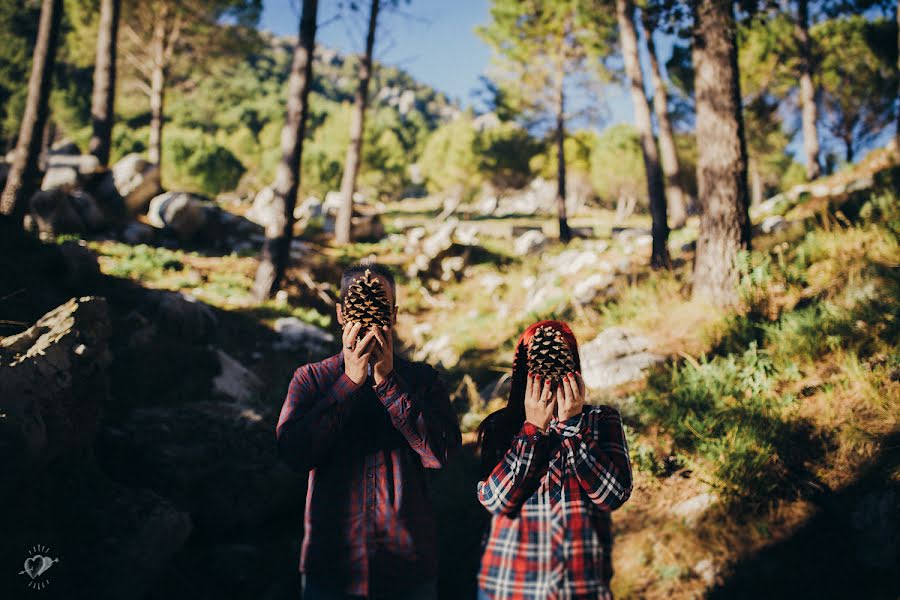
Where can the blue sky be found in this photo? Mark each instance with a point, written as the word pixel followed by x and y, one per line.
pixel 434 40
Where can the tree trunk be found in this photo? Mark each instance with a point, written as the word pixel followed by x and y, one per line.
pixel 279 231
pixel 157 92
pixel 21 181
pixel 357 126
pixel 565 234
pixel 104 94
pixel 722 153
pixel 809 110
pixel 849 154
pixel 659 257
pixel 675 196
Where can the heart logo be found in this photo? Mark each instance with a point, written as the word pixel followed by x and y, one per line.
pixel 35 565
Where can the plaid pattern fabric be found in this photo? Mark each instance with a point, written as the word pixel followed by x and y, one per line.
pixel 370 527
pixel 551 496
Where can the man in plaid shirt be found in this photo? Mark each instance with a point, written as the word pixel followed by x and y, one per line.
pixel 550 490
pixel 366 424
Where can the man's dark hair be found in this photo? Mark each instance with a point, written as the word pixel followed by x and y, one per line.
pixel 357 270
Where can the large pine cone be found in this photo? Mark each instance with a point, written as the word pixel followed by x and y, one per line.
pixel 549 355
pixel 367 302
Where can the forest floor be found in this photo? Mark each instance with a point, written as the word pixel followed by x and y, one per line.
pixel 765 445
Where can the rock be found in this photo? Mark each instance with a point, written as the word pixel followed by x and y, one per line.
pixel 630 234
pixel 773 224
pixel 217 460
pixel 64 147
pixel 53 377
pixel 308 209
pixel 132 182
pixel 52 213
pixel 487 205
pixel 530 242
pixel 863 183
pixel 264 211
pixel 86 206
pixel 81 264
pixel 298 335
pixel 693 508
pixel 452 267
pixel 135 233
pixel 573 261
pixel 60 178
pixel 235 382
pixel 586 290
pixel 616 356
pixel 178 212
pixel 490 282
pixel 182 315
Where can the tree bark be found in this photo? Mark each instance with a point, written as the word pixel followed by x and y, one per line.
pixel 659 257
pixel 104 94
pixel 722 153
pixel 675 195
pixel 809 109
pixel 157 88
pixel 565 234
pixel 279 231
pixel 21 181
pixel 357 126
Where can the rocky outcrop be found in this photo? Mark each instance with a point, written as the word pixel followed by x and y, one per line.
pixel 616 356
pixel 178 212
pixel 53 377
pixel 131 183
pixel 217 460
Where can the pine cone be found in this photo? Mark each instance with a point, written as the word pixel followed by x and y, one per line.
pixel 549 355
pixel 367 302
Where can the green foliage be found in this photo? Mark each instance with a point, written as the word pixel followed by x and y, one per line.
pixel 195 162
pixel 617 165
pixel 449 160
pixel 141 262
pixel 18 30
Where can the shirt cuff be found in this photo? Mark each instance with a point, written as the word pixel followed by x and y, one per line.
pixel 530 431
pixel 388 384
pixel 571 426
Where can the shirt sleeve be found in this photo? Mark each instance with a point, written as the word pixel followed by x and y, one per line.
pixel 311 419
pixel 594 444
pixel 517 474
pixel 424 416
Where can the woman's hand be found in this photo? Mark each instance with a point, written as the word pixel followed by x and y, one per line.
pixel 570 396
pixel 539 402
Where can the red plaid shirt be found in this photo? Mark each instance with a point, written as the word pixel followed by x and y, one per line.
pixel 550 497
pixel 369 523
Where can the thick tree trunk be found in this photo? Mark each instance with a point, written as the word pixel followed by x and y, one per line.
pixel 21 181
pixel 279 231
pixel 357 126
pixel 809 110
pixel 675 196
pixel 722 153
pixel 104 94
pixel 660 229
pixel 565 234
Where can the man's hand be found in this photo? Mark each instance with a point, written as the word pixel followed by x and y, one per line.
pixel 539 402
pixel 357 352
pixel 383 354
pixel 570 396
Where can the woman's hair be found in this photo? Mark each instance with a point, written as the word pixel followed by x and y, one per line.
pixel 497 430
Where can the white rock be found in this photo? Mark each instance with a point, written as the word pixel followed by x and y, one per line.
pixel 616 356
pixel 178 212
pixel 691 509
pixel 235 381
pixel 587 289
pixel 529 242
pixel 296 334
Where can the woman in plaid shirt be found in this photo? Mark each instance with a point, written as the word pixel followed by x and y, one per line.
pixel 553 471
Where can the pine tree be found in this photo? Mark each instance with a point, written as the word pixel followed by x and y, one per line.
pixel 279 231
pixel 104 93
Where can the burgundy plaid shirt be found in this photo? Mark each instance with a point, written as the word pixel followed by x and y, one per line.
pixel 551 497
pixel 370 528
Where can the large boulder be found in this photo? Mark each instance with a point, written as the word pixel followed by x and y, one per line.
pixel 217 460
pixel 264 210
pixel 132 182
pixel 616 356
pixel 182 315
pixel 530 242
pixel 178 212
pixel 53 377
pixel 53 213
